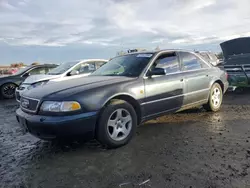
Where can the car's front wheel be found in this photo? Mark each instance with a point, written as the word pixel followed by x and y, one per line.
pixel 8 90
pixel 215 98
pixel 117 124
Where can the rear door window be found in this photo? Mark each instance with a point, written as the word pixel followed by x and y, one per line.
pixel 191 62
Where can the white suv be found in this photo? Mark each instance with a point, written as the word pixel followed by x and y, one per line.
pixel 64 71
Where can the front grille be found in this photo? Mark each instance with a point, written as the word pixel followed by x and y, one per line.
pixel 29 104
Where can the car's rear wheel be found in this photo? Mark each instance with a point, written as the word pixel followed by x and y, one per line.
pixel 117 124
pixel 8 90
pixel 215 98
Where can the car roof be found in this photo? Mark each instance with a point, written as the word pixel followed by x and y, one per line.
pixel 159 51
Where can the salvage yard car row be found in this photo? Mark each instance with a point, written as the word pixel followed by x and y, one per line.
pixel 126 91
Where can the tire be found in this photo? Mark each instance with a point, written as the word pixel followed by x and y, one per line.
pixel 212 105
pixel 8 90
pixel 117 124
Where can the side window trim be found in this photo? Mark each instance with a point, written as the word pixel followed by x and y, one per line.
pixel 180 61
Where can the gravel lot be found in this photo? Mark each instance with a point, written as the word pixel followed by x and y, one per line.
pixel 189 149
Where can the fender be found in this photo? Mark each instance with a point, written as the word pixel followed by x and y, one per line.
pixel 116 95
pixel 9 81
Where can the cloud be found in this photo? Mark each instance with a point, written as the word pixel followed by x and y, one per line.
pixel 114 23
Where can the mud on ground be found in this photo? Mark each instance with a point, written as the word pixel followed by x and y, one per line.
pixel 189 149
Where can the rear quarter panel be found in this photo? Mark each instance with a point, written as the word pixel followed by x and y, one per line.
pixel 16 80
pixel 219 74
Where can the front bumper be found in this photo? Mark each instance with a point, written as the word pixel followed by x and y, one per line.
pixel 52 127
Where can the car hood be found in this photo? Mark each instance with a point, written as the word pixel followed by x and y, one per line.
pixel 7 76
pixel 60 79
pixel 62 90
pixel 38 78
pixel 234 47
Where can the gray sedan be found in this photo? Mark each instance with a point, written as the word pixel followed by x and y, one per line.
pixel 123 93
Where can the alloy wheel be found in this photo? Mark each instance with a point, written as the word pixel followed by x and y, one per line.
pixel 119 124
pixel 216 97
pixel 8 90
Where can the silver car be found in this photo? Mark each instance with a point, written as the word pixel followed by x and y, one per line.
pixel 65 71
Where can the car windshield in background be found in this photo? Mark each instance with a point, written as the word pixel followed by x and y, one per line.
pixel 130 65
pixel 22 70
pixel 62 68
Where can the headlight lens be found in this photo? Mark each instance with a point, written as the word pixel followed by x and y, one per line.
pixel 55 106
pixel 37 84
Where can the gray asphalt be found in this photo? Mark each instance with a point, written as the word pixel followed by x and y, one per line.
pixel 189 149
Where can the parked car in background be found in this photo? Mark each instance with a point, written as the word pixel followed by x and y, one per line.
pixel 128 90
pixel 8 84
pixel 64 71
pixel 237 62
pixel 210 57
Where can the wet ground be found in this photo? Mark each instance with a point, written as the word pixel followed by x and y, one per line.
pixel 189 149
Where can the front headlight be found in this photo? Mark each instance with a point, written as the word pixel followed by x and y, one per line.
pixel 65 106
pixel 37 84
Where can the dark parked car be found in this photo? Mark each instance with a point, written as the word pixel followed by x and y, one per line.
pixel 236 54
pixel 8 84
pixel 126 91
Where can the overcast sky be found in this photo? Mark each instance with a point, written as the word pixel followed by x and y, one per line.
pixel 63 30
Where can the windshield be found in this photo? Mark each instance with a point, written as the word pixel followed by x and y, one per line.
pixel 62 68
pixel 22 70
pixel 129 65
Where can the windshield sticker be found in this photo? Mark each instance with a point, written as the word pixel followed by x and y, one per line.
pixel 144 55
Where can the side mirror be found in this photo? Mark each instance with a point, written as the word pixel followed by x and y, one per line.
pixel 157 71
pixel 74 72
